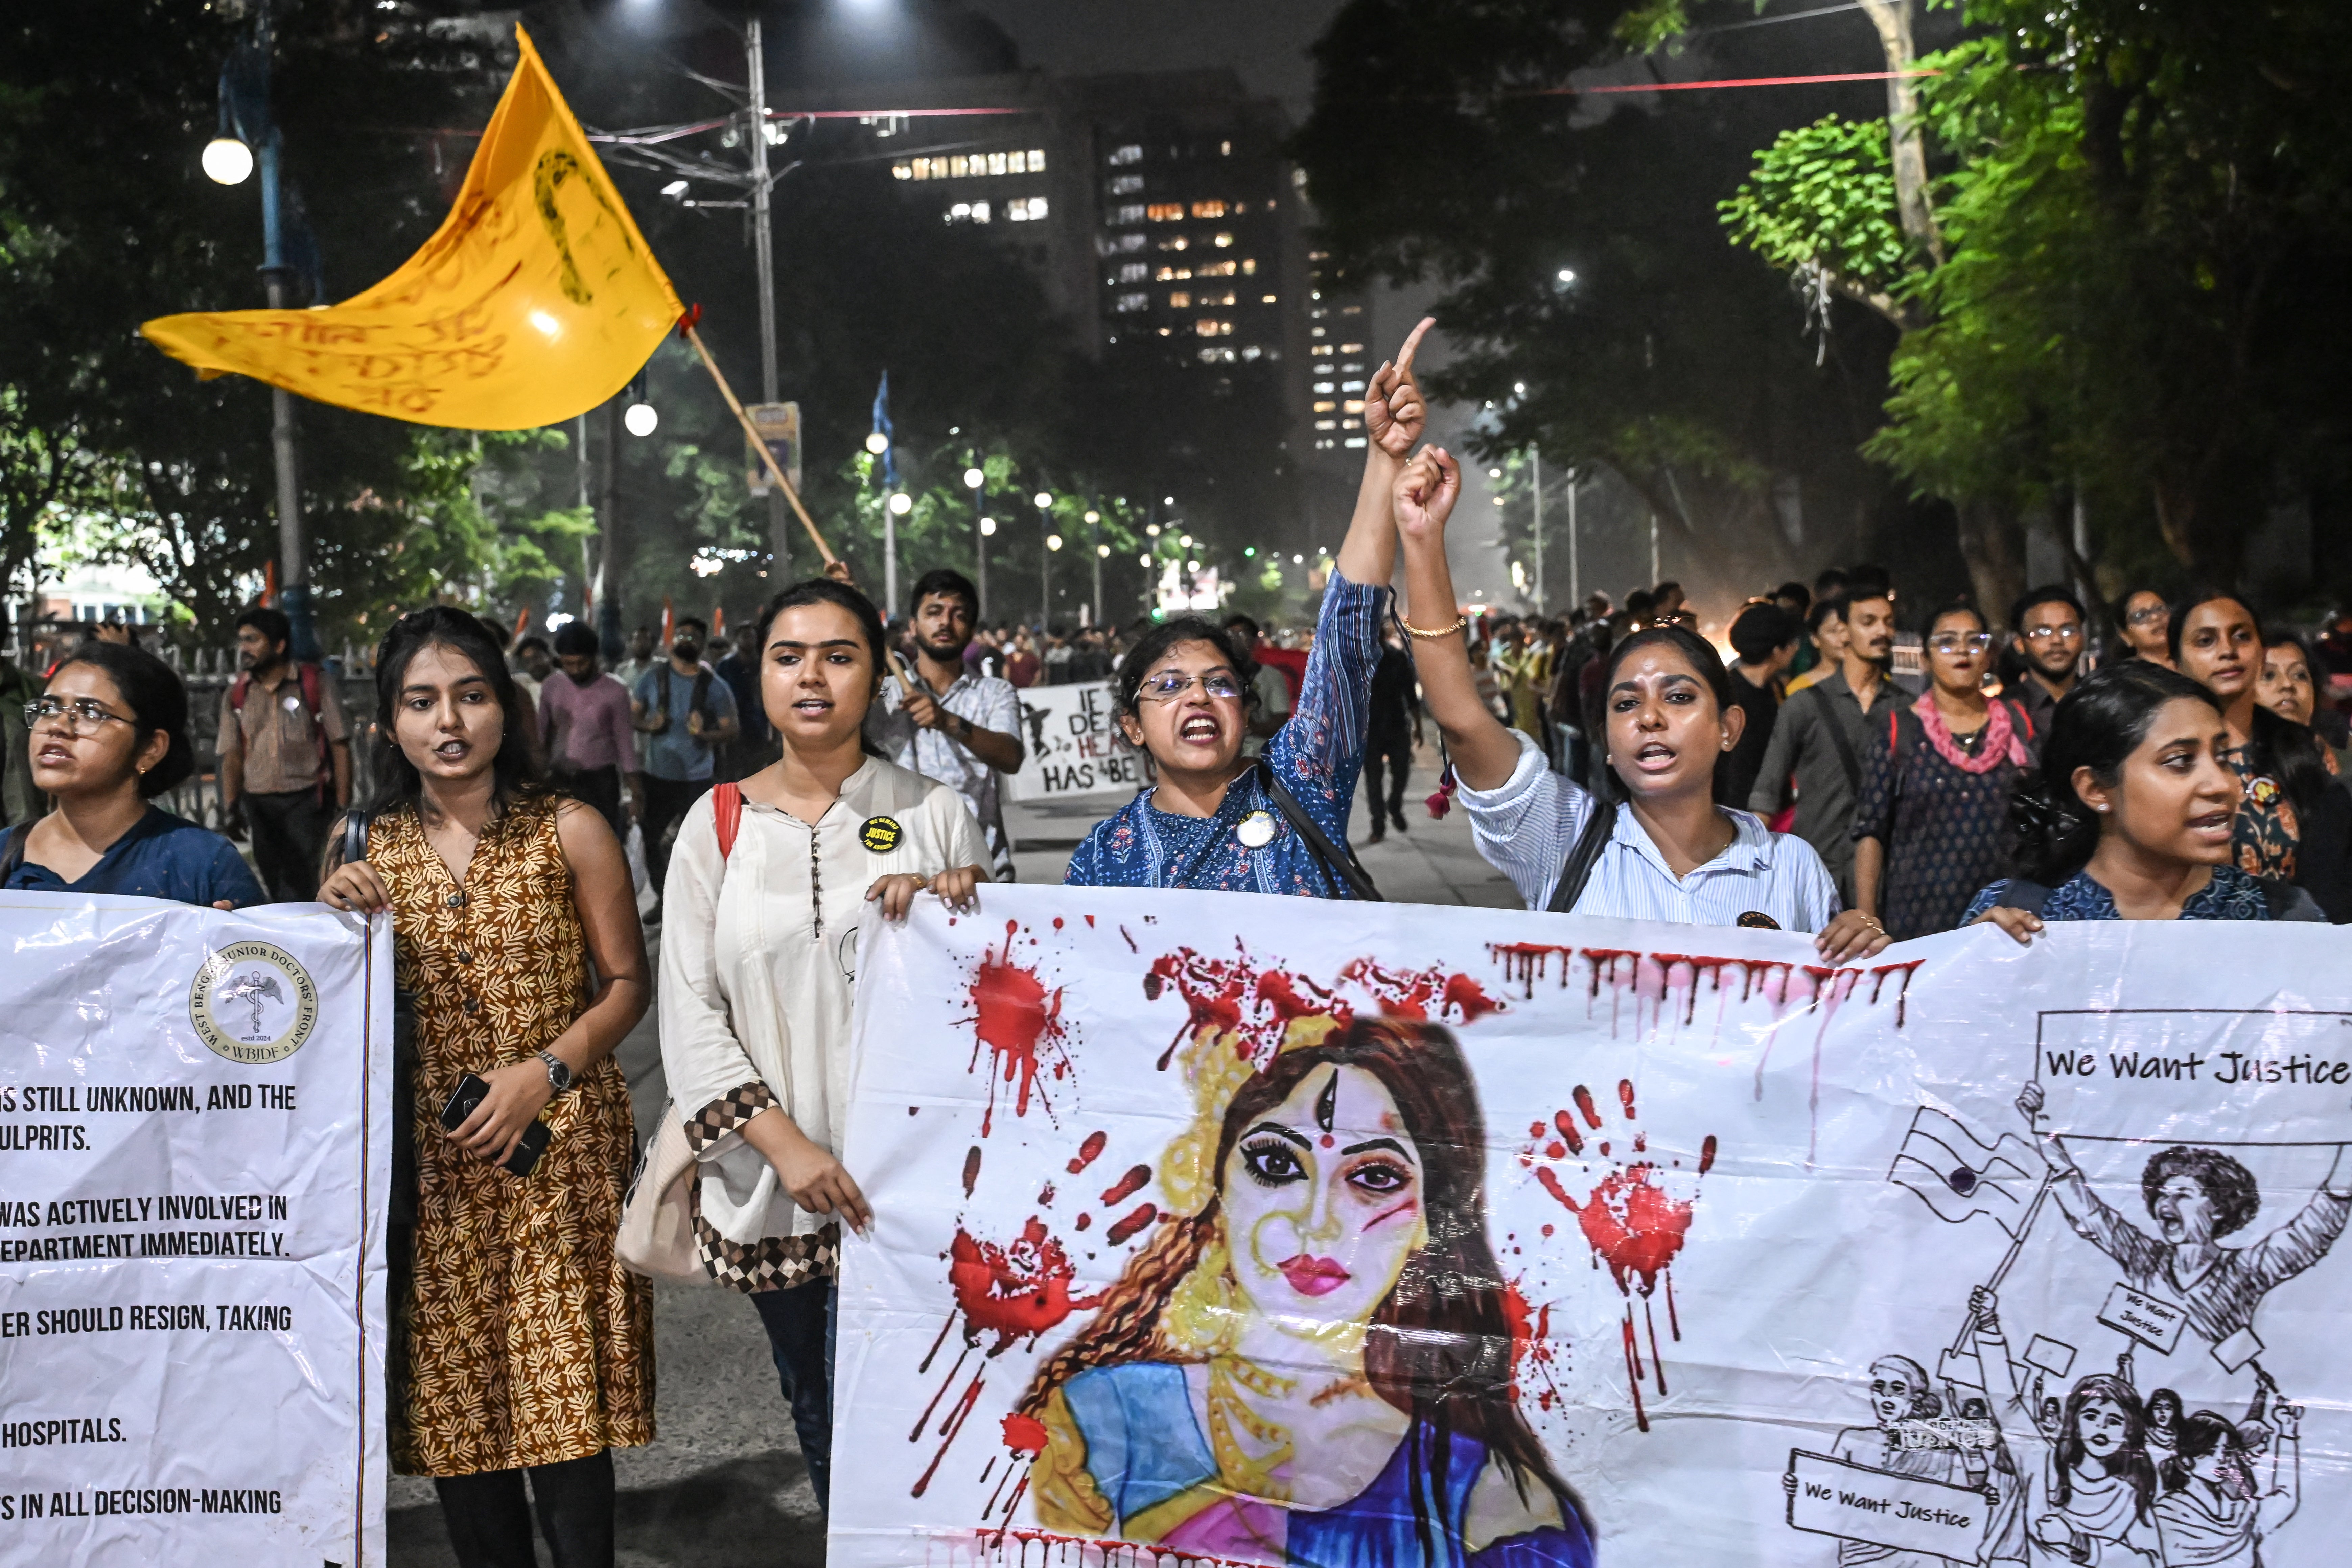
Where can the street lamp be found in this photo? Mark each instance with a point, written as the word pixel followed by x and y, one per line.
pixel 227 161
pixel 973 479
pixel 976 481
pixel 901 504
pixel 877 443
pixel 1044 500
pixel 641 417
pixel 988 526
pixel 245 130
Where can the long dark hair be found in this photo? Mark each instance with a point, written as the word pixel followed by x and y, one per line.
pixel 2195 1437
pixel 514 776
pixel 1695 651
pixel 151 689
pixel 1439 1346
pixel 2276 747
pixel 2131 1463
pixel 825 591
pixel 1154 645
pixel 2097 725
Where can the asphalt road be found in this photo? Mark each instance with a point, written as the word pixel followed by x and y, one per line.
pixel 722 1486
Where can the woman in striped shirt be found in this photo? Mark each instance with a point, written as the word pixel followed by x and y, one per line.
pixel 1660 849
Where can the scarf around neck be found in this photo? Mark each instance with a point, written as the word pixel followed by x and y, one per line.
pixel 1999 744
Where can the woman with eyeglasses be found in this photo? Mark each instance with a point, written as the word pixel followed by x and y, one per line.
pixel 2145 619
pixel 109 735
pixel 1215 820
pixel 2295 825
pixel 1932 825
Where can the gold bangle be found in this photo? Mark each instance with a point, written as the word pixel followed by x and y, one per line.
pixel 1411 630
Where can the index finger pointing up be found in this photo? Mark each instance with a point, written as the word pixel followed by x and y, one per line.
pixel 1411 344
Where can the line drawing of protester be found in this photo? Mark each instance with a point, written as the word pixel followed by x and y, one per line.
pixel 1312 1368
pixel 529 1349
pixel 1899 1393
pixel 2215 1512
pixel 2088 1494
pixel 2197 1196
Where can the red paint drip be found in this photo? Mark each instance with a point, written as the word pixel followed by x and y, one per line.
pixel 1633 1371
pixel 970 1169
pixel 1090 923
pixel 1525 962
pixel 1084 1220
pixel 1013 1292
pixel 1126 1186
pixel 1657 1362
pixel 1903 991
pixel 1024 1435
pixel 1584 1098
pixel 1016 1020
pixel 951 1427
pixel 1089 1151
pixel 1256 1005
pixel 1706 1155
pixel 1046 1196
pixel 1118 1234
pixel 1451 997
pixel 1567 1131
pixel 1626 1097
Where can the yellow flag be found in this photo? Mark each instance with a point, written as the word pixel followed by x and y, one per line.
pixel 537 299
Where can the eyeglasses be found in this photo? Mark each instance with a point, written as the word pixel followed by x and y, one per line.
pixel 2070 632
pixel 2146 616
pixel 1170 684
pixel 1953 642
pixel 82 716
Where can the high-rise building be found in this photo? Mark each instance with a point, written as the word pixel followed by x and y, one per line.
pixel 1167 229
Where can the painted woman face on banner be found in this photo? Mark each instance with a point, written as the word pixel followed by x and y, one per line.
pixel 1322 1200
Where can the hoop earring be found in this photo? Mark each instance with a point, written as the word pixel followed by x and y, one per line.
pixel 1200 1319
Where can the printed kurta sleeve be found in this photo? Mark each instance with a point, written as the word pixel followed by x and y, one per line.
pixel 701 1057
pixel 1882 787
pixel 1320 750
pixel 1770 792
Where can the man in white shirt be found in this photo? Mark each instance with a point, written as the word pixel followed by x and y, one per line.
pixel 959 728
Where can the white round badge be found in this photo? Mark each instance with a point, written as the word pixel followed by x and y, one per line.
pixel 1256 830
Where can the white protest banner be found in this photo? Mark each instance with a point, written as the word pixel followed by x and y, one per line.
pixel 1075 747
pixel 2104 1073
pixel 1882 1508
pixel 195 1130
pixel 1216 1228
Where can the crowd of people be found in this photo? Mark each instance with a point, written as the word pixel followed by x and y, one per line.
pixel 824 769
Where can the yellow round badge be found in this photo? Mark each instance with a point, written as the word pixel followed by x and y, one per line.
pixel 881 833
pixel 253 1003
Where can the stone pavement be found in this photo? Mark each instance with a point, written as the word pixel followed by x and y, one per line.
pixel 723 1486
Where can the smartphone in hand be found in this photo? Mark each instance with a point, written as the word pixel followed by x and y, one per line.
pixel 468 1099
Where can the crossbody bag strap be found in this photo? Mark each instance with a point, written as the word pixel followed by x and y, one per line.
pixel 1838 740
pixel 727 816
pixel 1336 858
pixel 356 835
pixel 1599 825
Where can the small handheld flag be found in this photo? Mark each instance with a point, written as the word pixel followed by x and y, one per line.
pixel 1959 1175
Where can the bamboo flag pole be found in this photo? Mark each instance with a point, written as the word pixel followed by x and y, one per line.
pixel 776 470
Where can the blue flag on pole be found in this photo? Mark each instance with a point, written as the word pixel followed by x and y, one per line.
pixel 882 429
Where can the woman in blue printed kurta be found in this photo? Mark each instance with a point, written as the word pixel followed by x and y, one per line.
pixel 1209 823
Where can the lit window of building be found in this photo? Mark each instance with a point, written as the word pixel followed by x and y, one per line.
pixel 1327 425
pixel 1180 300
pixel 1252 352
pixel 1179 243
pixel 903 172
pixel 1355 443
pixel 997 163
pixel 1327 386
pixel 1134 272
pixel 1223 240
pixel 1130 153
pixel 1128 303
pixel 1210 327
pixel 1216 356
pixel 1317 333
pixel 1125 242
pixel 1164 211
pixel 1132 212
pixel 1325 406
pixel 1224 149
pixel 1215 269
pixel 1249 269
pixel 1352 348
pixel 1208 209
pixel 1351 310
pixel 1320 348
pixel 968 212
pixel 1174 273
pixel 1025 209
pixel 1266 300
pixel 1127 185
pixel 1353 406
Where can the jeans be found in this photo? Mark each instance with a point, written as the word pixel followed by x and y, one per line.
pixel 289 830
pixel 1397 753
pixel 667 801
pixel 800 1324
pixel 489 1526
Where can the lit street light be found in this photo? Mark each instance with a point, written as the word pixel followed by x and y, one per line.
pixel 641 418
pixel 1052 541
pixel 987 527
pixel 973 479
pixel 901 504
pixel 227 161
pixel 1044 500
pixel 877 443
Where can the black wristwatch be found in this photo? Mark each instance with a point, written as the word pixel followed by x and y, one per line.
pixel 558 1076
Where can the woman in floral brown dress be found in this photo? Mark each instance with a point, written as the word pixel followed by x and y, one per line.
pixel 529 1350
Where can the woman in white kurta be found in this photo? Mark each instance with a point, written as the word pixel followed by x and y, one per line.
pixel 771 884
